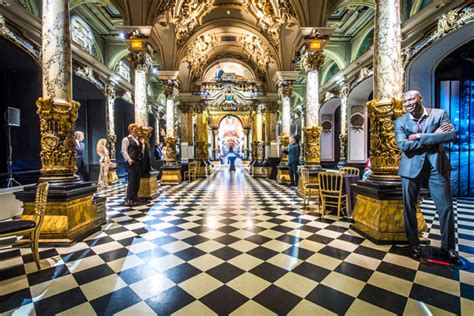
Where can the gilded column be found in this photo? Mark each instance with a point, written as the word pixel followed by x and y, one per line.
pixel 259 133
pixel 378 212
pixel 110 130
pixel 246 142
pixel 56 109
pixel 70 213
pixel 388 85
pixel 170 91
pixel 312 62
pixel 200 131
pixel 187 148
pixel 344 96
pixel 285 89
pixel 141 62
pixel 271 146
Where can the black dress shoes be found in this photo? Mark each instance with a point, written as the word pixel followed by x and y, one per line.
pixel 128 203
pixel 453 257
pixel 415 253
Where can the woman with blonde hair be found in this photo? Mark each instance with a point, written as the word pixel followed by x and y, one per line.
pixel 104 162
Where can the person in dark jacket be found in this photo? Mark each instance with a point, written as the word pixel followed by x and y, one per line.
pixel 80 151
pixel 293 152
pixel 420 134
pixel 132 151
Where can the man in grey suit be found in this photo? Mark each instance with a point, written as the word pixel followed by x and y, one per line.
pixel 293 152
pixel 420 134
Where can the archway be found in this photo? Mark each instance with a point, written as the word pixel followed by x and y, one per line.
pixel 230 136
pixel 454 86
pixel 20 78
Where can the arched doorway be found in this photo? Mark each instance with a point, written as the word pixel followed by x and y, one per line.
pixel 20 79
pixel 454 86
pixel 230 136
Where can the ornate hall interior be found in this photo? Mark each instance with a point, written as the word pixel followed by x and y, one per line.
pixel 236 157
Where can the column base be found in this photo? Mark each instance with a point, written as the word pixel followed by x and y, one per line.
pixel 283 174
pixel 171 174
pixel 259 170
pixel 112 176
pixel 72 213
pixel 203 170
pixel 378 212
pixel 148 186
pixel 341 164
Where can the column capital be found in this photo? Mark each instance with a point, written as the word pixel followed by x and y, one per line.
pixel 199 108
pixel 313 60
pixel 140 60
pixel 344 90
pixel 271 107
pixel 285 88
pixel 185 107
pixel 170 88
pixel 110 91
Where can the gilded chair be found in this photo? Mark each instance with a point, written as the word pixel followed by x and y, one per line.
pixel 350 170
pixel 191 173
pixel 29 227
pixel 309 189
pixel 330 187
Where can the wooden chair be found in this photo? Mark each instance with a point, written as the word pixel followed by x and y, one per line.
pixel 191 173
pixel 31 227
pixel 309 189
pixel 350 170
pixel 330 187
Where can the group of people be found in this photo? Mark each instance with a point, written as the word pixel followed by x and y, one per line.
pixel 133 150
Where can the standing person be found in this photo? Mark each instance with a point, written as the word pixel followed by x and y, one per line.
pixel 293 152
pixel 132 151
pixel 420 134
pixel 158 153
pixel 104 162
pixel 80 151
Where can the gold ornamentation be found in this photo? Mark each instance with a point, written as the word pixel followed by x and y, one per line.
pixel 382 220
pixel 201 149
pixel 148 187
pixel 343 145
pixel 170 153
pixel 186 16
pixel 170 89
pixel 145 133
pixel 140 60
pixel 285 88
pixel 312 145
pixel 384 153
pixel 284 141
pixel 199 52
pixel 256 50
pixel 58 146
pixel 271 15
pixel 313 60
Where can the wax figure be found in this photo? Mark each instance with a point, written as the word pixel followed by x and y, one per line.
pixel 132 151
pixel 420 134
pixel 80 152
pixel 293 152
pixel 105 163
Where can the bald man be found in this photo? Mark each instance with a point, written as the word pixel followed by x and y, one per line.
pixel 420 134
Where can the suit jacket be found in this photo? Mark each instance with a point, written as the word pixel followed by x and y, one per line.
pixel 293 153
pixel 80 148
pixel 429 146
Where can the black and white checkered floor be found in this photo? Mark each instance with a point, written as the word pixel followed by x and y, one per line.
pixel 231 244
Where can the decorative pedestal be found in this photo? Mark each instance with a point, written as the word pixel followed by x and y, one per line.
pixel 259 170
pixel 70 213
pixel 112 176
pixel 148 186
pixel 283 174
pixel 378 212
pixel 171 174
pixel 203 170
pixel 313 177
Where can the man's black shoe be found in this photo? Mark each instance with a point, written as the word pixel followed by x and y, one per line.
pixel 127 203
pixel 415 253
pixel 453 257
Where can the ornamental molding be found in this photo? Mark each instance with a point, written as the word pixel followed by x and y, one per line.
pixel 447 23
pixel 198 53
pixel 185 16
pixel 271 15
pixel 257 51
pixel 140 60
pixel 87 73
pixel 312 60
pixel 17 39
